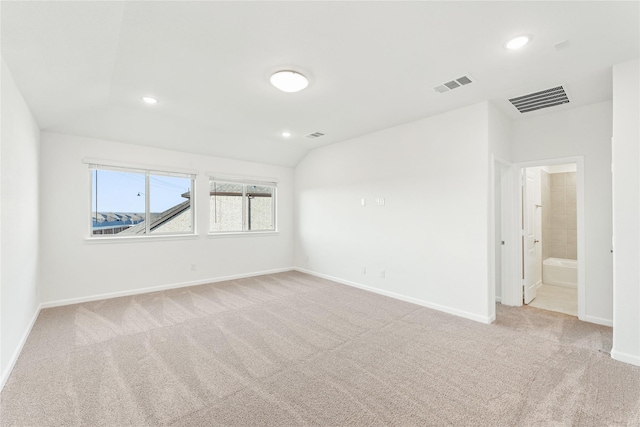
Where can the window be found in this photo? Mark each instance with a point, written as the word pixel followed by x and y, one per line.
pixel 130 202
pixel 241 206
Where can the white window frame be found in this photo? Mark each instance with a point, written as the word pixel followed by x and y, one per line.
pixel 245 183
pixel 147 172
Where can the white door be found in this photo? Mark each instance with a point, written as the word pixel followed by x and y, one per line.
pixel 531 248
pixel 502 175
pixel 505 224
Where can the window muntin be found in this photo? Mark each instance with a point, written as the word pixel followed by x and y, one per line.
pixel 130 202
pixel 241 206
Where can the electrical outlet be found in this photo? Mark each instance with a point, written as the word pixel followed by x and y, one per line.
pixel 193 267
pixel 382 274
pixel 364 270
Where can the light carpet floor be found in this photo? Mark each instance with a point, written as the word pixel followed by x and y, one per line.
pixel 291 349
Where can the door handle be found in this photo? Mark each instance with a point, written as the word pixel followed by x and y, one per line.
pixel 536 241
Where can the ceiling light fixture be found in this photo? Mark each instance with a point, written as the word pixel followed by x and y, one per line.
pixel 286 134
pixel 149 100
pixel 517 42
pixel 289 81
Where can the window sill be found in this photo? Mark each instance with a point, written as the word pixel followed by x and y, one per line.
pixel 161 237
pixel 242 234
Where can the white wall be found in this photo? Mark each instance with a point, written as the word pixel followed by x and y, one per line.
pixel 500 134
pixel 583 131
pixel 626 211
pixel 431 235
pixel 19 153
pixel 74 268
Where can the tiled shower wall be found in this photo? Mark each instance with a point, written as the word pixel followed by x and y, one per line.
pixel 559 223
pixel 545 189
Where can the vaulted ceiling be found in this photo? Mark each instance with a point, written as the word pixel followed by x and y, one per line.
pixel 84 66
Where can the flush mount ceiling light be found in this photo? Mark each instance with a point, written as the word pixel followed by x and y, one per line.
pixel 517 42
pixel 286 134
pixel 289 81
pixel 149 100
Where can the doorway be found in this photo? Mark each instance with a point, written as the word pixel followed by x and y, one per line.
pixel 551 232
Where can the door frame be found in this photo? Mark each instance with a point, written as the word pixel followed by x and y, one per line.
pixel 506 225
pixel 512 292
pixel 531 279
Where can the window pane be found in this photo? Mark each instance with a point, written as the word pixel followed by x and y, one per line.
pixel 225 203
pixel 170 204
pixel 259 213
pixel 117 202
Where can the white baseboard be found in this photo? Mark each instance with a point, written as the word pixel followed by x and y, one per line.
pixel 625 357
pixel 16 353
pixel 597 320
pixel 443 308
pixel 499 299
pixel 58 303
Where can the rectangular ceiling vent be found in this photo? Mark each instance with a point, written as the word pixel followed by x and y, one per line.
pixel 315 135
pixel 453 84
pixel 543 99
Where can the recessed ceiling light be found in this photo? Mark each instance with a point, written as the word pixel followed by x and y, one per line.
pixel 517 42
pixel 286 134
pixel 289 81
pixel 149 100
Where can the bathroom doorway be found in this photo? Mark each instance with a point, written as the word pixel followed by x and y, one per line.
pixel 552 235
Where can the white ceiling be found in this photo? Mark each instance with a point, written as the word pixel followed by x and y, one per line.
pixel 83 66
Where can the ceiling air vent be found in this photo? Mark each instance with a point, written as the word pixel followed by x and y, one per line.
pixel 542 99
pixel 315 135
pixel 453 84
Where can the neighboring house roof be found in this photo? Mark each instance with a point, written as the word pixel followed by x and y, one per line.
pixel 158 219
pixel 217 188
pixel 117 218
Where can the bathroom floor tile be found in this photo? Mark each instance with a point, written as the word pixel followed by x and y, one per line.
pixel 557 298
